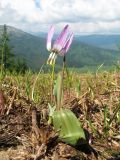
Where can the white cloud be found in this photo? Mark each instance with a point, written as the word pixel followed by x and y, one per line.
pixel 84 16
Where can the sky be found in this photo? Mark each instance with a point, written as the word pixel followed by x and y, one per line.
pixel 83 16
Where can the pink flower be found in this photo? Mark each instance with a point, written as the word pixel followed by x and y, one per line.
pixel 61 44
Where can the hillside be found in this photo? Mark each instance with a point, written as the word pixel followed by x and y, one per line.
pixel 91 56
pixel 27 46
pixel 102 41
pixel 33 50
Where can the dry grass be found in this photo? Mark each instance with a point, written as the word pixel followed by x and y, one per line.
pixel 97 107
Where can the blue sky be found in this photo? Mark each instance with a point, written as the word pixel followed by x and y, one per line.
pixel 83 16
pixel 37 3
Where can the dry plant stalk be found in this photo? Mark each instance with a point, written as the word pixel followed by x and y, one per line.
pixel 2 103
pixel 12 101
pixel 35 128
pixel 39 136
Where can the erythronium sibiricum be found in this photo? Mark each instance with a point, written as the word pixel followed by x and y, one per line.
pixel 61 44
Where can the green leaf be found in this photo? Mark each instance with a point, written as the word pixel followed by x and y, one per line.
pixel 78 88
pixel 68 126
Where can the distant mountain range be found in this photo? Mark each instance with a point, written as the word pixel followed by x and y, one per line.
pixel 85 50
pixel 101 40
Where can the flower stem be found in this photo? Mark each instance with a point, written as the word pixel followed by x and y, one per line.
pixel 63 67
pixel 52 80
pixel 35 81
pixel 62 84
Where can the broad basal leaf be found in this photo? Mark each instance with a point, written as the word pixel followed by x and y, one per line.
pixel 68 126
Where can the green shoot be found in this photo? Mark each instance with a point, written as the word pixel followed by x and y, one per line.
pixel 106 125
pixel 78 88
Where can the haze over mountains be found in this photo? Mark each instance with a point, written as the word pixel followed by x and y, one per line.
pixel 105 41
pixel 85 50
pixel 102 41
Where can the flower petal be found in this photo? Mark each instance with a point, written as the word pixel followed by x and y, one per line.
pixel 67 45
pixel 49 37
pixel 60 41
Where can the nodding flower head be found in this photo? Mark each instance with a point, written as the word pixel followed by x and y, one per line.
pixel 61 44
